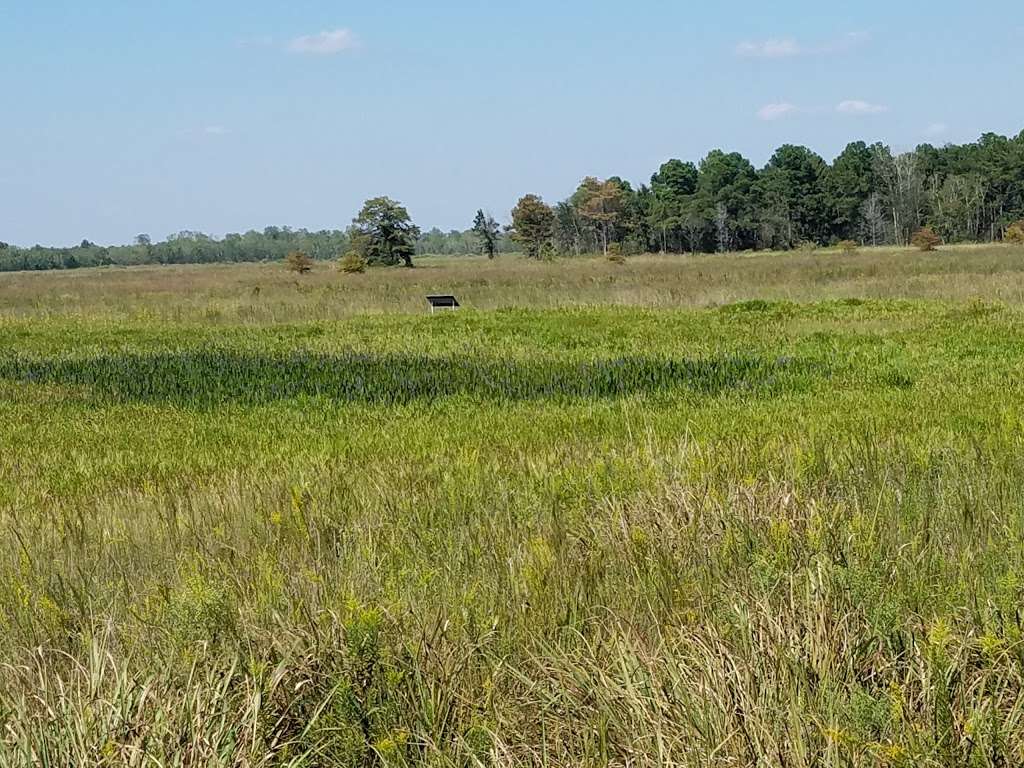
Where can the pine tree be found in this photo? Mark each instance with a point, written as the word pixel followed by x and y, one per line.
pixel 487 231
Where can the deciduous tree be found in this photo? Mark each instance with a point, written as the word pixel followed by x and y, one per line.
pixel 603 203
pixel 901 186
pixel 384 233
pixel 533 224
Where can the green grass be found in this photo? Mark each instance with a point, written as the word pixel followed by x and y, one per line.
pixel 766 532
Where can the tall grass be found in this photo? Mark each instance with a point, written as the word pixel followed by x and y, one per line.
pixel 205 376
pixel 253 294
pixel 858 621
pixel 764 535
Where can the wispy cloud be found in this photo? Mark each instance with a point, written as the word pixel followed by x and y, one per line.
pixel 858 107
pixel 784 109
pixel 199 131
pixel 772 112
pixel 787 47
pixel 768 49
pixel 325 43
pixel 936 129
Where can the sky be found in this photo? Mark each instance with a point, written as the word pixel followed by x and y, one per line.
pixel 120 118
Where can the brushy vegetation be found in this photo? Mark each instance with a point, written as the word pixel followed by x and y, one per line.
pixel 299 262
pixel 925 239
pixel 352 263
pixel 759 533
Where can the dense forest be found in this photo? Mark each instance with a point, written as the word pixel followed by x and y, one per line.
pixel 970 192
pixel 870 195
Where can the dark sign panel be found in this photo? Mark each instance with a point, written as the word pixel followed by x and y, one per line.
pixel 442 302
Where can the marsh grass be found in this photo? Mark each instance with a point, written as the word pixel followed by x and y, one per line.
pixel 848 623
pixel 215 376
pixel 226 295
pixel 767 533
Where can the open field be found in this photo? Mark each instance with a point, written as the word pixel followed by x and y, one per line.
pixel 266 293
pixel 761 510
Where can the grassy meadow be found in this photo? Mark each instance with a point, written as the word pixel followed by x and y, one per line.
pixel 237 294
pixel 747 510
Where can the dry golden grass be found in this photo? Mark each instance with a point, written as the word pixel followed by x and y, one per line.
pixel 244 293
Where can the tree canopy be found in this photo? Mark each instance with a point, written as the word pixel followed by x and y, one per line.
pixel 533 224
pixel 383 233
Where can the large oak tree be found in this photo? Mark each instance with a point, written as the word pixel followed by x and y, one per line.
pixel 383 233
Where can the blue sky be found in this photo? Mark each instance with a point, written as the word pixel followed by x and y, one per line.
pixel 127 117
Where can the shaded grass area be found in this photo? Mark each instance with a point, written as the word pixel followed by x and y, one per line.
pixel 208 377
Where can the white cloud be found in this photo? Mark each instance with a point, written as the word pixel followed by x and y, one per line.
pixel 770 112
pixel 858 107
pixel 783 109
pixel 325 43
pixel 769 49
pixel 936 129
pixel 216 130
pixel 787 47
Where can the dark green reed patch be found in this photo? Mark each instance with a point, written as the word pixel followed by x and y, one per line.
pixel 208 376
pixel 759 307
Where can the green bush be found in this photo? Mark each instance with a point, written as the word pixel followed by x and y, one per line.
pixel 548 252
pixel 352 263
pixel 299 262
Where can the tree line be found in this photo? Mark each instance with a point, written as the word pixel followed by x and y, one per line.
pixel 868 194
pixel 272 244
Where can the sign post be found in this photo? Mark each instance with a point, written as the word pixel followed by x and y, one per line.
pixel 442 302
